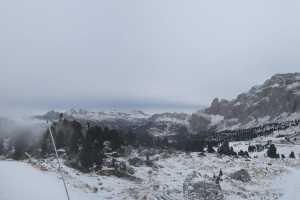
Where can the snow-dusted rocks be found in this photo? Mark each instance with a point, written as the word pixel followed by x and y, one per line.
pixel 241 175
pixel 197 187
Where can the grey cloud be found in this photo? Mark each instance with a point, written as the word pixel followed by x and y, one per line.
pixel 127 52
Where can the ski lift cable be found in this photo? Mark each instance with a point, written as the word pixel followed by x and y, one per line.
pixel 59 164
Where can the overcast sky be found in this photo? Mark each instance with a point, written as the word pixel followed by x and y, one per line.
pixel 89 53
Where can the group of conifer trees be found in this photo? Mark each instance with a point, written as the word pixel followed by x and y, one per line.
pixel 84 145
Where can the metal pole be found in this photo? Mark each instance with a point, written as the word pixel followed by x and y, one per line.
pixel 59 165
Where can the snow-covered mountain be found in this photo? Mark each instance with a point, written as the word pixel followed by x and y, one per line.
pixel 95 116
pixel 277 99
pixel 162 124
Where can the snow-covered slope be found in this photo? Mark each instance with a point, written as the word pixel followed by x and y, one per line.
pixel 270 178
pixel 22 181
pixel 291 185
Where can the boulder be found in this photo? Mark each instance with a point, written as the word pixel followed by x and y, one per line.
pixel 241 175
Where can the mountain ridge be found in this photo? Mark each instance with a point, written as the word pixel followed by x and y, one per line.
pixel 277 99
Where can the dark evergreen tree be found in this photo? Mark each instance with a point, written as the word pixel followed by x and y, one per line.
pixel 60 139
pixel 115 138
pixel 232 152
pixel 210 149
pixel 194 145
pixel 251 148
pixel 1 146
pixel 130 138
pixel 76 138
pixel 272 152
pixel 224 149
pixel 292 155
pixel 220 173
pixel 21 145
pixel 45 144
pixel 92 149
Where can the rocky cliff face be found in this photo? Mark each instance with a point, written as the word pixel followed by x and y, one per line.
pixel 278 98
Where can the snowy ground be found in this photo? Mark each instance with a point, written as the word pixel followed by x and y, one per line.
pixel 21 181
pixel 290 185
pixel 271 178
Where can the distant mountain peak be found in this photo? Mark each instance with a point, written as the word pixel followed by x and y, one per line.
pixel 278 98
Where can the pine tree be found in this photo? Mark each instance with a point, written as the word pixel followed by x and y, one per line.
pixel 220 173
pixel 272 152
pixel 292 155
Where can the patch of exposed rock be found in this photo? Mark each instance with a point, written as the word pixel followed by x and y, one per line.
pixel 198 187
pixel 241 175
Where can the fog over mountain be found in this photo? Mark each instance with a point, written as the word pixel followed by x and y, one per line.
pixel 149 99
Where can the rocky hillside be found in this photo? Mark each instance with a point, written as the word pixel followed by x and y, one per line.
pixel 277 99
